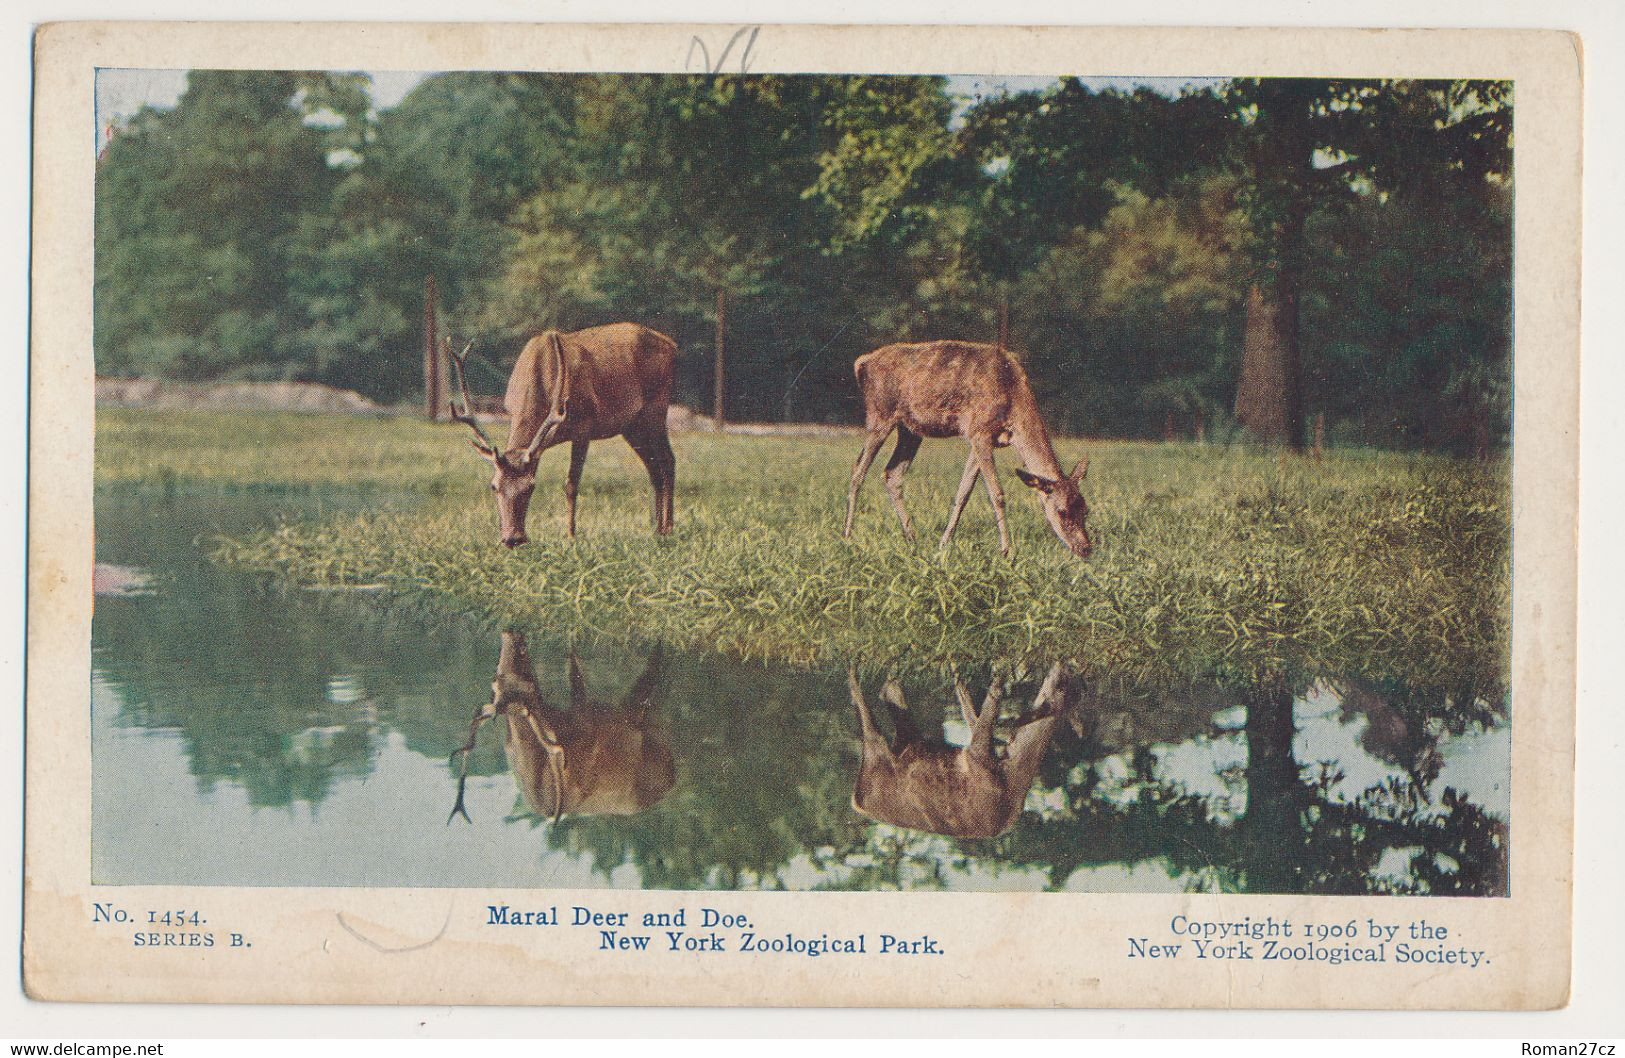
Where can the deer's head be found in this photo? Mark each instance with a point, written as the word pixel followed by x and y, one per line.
pixel 513 481
pixel 514 471
pixel 1064 508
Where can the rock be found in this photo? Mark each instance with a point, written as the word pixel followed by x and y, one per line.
pixel 685 420
pixel 108 579
pixel 224 396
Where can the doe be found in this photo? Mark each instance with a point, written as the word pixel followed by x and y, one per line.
pixel 970 390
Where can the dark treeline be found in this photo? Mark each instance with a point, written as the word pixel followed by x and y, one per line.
pixel 1268 255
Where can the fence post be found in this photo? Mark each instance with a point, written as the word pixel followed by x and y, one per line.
pixel 431 354
pixel 718 412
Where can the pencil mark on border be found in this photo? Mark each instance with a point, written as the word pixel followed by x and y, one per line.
pixel 375 946
pixel 727 49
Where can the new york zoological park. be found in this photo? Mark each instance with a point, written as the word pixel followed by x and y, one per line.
pixel 1275 317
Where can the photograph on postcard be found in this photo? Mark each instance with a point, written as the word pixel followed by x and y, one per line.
pixel 1009 491
pixel 1234 617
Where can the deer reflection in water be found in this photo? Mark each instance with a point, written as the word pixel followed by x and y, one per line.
pixel 589 759
pixel 926 784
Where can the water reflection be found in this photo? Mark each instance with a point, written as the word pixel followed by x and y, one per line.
pixel 1263 806
pixel 243 735
pixel 923 783
pixel 588 759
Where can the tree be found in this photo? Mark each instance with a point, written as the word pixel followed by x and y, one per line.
pixel 198 211
pixel 272 226
pixel 432 195
pixel 1304 146
pixel 1131 326
pixel 686 185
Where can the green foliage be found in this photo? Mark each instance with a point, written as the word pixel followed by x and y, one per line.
pixel 272 226
pixel 1049 178
pixel 198 216
pixel 1158 278
pixel 1424 358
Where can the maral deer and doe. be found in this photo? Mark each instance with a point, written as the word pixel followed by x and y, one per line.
pixel 970 390
pixel 580 387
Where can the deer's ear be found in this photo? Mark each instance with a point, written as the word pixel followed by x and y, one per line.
pixel 1080 471
pixel 485 453
pixel 1044 485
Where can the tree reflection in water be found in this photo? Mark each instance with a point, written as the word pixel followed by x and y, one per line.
pixel 714 773
pixel 1296 831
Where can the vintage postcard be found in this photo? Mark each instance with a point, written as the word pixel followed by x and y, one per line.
pixel 759 515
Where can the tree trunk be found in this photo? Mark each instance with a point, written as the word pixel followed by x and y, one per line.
pixel 1269 399
pixel 1271 826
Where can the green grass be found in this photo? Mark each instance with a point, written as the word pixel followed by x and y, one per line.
pixel 1208 561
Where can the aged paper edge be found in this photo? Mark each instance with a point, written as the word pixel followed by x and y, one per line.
pixel 1012 949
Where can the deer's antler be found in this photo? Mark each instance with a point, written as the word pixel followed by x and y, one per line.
pixel 549 742
pixel 482 443
pixel 558 404
pixel 481 715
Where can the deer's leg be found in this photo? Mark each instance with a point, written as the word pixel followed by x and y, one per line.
pixel 666 492
pixel 641 698
pixel 902 455
pixel 982 452
pixel 655 451
pixel 967 708
pixel 874 740
pixel 972 471
pixel 981 735
pixel 860 470
pixel 866 719
pixel 1051 698
pixel 572 484
pixel 671 483
pixel 578 683
pixel 1027 747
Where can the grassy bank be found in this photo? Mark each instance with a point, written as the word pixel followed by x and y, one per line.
pixel 1207 560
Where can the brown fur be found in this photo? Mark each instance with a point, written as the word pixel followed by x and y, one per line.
pixel 587 759
pixel 970 390
pixel 941 389
pixel 620 376
pixel 618 383
pixel 925 784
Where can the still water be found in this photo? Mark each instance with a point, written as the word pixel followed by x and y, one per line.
pixel 247 736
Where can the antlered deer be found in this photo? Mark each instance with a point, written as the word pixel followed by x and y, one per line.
pixel 589 759
pixel 970 390
pixel 580 387
pixel 926 784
